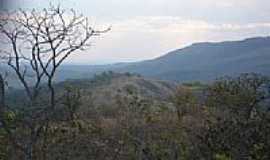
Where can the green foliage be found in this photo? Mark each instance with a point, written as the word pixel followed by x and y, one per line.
pixel 184 101
pixel 3 145
pixel 10 116
pixel 240 95
pixel 240 123
pixel 219 126
pixel 106 77
pixel 196 85
pixel 222 157
pixel 72 101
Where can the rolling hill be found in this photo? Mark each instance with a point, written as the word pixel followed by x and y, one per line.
pixel 113 86
pixel 207 61
pixel 198 62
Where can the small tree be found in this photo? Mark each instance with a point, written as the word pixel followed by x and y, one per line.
pixel 2 93
pixel 238 125
pixel 184 101
pixel 239 95
pixel 36 44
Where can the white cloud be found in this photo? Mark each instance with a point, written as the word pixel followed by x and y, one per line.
pixel 147 37
pixel 143 29
pixel 228 3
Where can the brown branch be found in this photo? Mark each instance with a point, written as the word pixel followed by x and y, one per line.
pixel 48 40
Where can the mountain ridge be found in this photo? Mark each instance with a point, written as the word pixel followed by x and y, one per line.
pixel 208 58
pixel 203 61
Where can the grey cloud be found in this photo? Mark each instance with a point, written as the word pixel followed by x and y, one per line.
pixel 245 11
pixel 144 29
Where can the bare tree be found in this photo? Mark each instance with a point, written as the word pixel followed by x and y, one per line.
pixel 36 44
pixel 2 93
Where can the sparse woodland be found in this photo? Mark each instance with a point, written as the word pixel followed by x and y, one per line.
pixel 228 119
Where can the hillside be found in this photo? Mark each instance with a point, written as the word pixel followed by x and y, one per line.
pixel 200 61
pixel 114 85
pixel 207 61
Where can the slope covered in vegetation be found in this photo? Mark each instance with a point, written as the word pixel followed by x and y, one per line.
pixel 129 117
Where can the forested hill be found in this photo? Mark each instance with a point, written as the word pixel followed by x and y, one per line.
pixel 198 62
pixel 207 61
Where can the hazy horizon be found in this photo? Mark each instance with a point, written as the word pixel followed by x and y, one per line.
pixel 144 30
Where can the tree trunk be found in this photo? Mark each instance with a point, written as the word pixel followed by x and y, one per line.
pixel 29 152
pixel 2 94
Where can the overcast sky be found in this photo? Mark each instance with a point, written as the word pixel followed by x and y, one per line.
pixel 144 29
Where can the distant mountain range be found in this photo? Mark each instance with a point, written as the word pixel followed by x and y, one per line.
pixel 198 62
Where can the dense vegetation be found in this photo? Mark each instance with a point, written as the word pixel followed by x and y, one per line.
pixel 115 115
pixel 228 119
